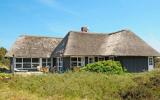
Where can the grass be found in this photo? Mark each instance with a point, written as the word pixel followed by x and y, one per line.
pixel 82 86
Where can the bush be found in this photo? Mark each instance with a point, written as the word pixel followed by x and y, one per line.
pixel 110 67
pixel 157 62
pixel 4 76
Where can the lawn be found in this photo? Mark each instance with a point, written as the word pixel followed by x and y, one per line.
pixel 82 86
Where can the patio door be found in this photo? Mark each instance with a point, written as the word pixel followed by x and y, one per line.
pixel 59 64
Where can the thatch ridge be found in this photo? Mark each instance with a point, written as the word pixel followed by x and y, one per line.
pixel 39 36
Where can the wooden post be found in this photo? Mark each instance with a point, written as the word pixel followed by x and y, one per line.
pixel 40 62
pixel 13 65
pixel 52 62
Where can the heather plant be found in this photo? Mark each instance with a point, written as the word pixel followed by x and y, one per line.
pixel 82 86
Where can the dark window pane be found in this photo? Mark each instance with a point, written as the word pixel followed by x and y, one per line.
pixel 18 65
pixel 79 64
pixel 35 60
pixel 44 64
pixel 49 60
pixel 27 60
pixel 26 65
pixel 91 60
pixel 79 59
pixel 74 64
pixel 74 59
pixel 101 59
pixel 44 60
pixel 19 60
pixel 49 64
pixel 150 61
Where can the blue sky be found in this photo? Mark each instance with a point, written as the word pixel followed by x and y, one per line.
pixel 56 17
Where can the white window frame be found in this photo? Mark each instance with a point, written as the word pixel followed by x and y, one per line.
pixel 111 58
pixel 22 63
pixel 37 63
pixel 46 62
pixel 59 63
pixel 150 66
pixel 93 60
pixel 27 63
pixel 82 62
pixel 102 58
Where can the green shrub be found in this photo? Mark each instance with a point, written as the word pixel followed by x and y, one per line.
pixel 109 66
pixel 5 76
pixel 157 62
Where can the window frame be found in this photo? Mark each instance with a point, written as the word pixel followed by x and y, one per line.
pixel 27 63
pixel 111 58
pixel 77 62
pixel 35 63
pixel 150 63
pixel 102 58
pixel 22 63
pixel 93 60
pixel 47 62
pixel 59 64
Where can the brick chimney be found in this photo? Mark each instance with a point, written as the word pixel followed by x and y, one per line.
pixel 84 29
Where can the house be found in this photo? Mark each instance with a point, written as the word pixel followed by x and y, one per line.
pixel 77 49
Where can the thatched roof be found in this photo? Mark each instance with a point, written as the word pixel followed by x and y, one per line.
pixel 121 43
pixel 33 46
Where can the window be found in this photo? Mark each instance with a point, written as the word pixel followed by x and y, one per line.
pixel 35 62
pixel 18 63
pixel 90 60
pixel 26 63
pixel 74 61
pixel 77 61
pixel 80 62
pixel 46 62
pixel 18 60
pixel 49 62
pixel 111 57
pixel 27 60
pixel 151 61
pixel 101 58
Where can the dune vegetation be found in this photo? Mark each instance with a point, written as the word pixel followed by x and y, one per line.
pixel 81 86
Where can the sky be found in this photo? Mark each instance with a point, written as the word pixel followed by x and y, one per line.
pixel 56 17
